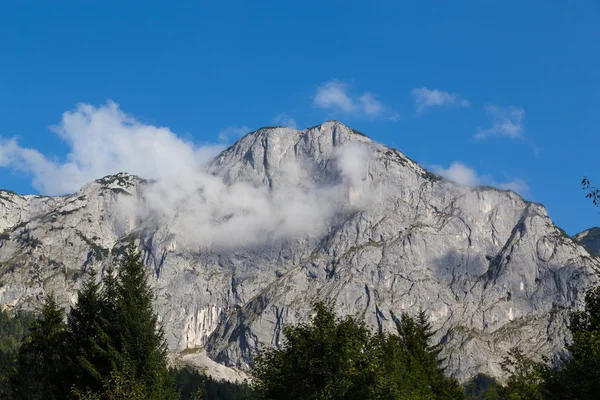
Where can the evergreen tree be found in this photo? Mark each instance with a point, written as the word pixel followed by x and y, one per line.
pixel 425 331
pixel 482 387
pixel 116 387
pixel 193 385
pixel 425 376
pixel 333 358
pixel 42 358
pixel 91 345
pixel 525 381
pixel 578 376
pixel 326 358
pixel 13 328
pixel 140 342
pixel 109 295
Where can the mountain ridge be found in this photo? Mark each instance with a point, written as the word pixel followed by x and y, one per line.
pixel 590 239
pixel 278 221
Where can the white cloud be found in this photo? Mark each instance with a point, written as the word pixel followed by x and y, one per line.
pixel 517 185
pixel 370 105
pixel 459 173
pixel 436 98
pixel 7 149
pixel 285 120
pixel 104 141
pixel 232 133
pixel 337 97
pixel 334 95
pixel 506 122
pixel 202 209
pixel 464 175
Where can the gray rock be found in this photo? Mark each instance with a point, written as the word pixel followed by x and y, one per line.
pixel 350 220
pixel 590 239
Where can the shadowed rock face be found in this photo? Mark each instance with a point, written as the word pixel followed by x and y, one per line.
pixel 491 268
pixel 590 239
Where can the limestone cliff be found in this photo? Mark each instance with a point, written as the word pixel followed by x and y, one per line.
pixel 491 268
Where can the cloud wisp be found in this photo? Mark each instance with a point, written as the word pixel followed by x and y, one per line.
pixel 202 208
pixel 506 122
pixel 464 175
pixel 233 133
pixel 336 96
pixel 285 120
pixel 426 98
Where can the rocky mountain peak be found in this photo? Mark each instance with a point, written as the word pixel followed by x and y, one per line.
pixel 285 217
pixel 279 142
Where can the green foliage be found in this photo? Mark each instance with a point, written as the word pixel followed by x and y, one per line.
pixel 593 192
pixel 91 346
pixel 482 387
pixel 13 329
pixel 140 343
pixel 326 358
pixel 41 361
pixel 189 382
pixel 579 375
pixel 192 385
pixel 526 377
pixel 422 376
pixel 110 347
pixel 334 358
pixel 117 387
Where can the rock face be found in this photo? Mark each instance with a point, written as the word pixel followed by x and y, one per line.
pixel 590 239
pixel 491 268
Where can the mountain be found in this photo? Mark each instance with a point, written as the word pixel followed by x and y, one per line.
pixel 590 239
pixel 285 217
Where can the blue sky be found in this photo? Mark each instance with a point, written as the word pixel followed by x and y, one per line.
pixel 494 92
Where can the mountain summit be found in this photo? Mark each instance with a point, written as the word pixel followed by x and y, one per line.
pixel 245 245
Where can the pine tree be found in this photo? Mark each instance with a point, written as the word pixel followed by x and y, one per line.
pixel 526 378
pixel 333 358
pixel 109 294
pixel 116 387
pixel 579 375
pixel 425 331
pixel 141 342
pixel 423 361
pixel 90 343
pixel 13 328
pixel 327 358
pixel 42 359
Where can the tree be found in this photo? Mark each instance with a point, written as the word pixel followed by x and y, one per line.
pixel 42 358
pixel 526 377
pixel 593 192
pixel 425 374
pixel 334 358
pixel 109 296
pixel 13 328
pixel 116 387
pixel 140 342
pixel 92 350
pixel 110 348
pixel 193 385
pixel 327 358
pixel 578 376
pixel 482 387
